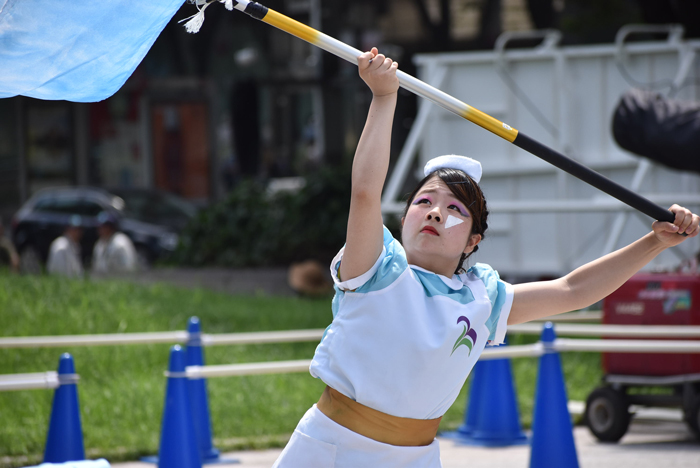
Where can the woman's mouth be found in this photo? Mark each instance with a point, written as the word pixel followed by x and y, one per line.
pixel 430 230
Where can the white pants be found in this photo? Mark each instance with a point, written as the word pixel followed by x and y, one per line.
pixel 320 442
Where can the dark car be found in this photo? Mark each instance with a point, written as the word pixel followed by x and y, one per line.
pixel 152 220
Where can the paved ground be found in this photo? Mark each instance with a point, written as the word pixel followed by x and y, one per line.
pixel 648 444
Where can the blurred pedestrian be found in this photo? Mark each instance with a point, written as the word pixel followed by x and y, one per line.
pixel 8 253
pixel 114 252
pixel 64 253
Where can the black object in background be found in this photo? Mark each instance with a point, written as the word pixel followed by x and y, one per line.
pixel 664 130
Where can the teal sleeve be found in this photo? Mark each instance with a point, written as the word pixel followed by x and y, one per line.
pixel 496 290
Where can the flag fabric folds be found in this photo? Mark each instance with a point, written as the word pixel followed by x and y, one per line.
pixel 77 50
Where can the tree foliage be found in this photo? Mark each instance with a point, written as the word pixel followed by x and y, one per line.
pixel 252 227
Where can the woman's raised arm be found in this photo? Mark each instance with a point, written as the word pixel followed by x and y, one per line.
pixel 594 281
pixel 370 165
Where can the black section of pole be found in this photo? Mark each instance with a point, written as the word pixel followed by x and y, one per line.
pixel 593 178
pixel 256 10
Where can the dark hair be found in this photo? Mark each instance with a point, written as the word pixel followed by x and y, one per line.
pixel 108 219
pixel 468 192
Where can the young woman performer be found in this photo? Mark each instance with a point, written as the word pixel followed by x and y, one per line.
pixel 409 322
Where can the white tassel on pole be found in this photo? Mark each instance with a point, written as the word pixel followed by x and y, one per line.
pixel 195 21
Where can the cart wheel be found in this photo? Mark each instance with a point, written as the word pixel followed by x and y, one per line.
pixel 607 414
pixel 693 417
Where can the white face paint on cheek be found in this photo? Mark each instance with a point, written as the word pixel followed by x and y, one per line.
pixel 452 221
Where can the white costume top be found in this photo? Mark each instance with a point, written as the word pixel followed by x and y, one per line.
pixel 116 255
pixel 403 339
pixel 64 258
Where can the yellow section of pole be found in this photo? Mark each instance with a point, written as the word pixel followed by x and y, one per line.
pixel 291 26
pixel 487 122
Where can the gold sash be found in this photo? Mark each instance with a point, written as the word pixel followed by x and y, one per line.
pixel 382 427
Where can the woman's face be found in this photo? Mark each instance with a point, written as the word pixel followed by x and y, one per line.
pixel 437 229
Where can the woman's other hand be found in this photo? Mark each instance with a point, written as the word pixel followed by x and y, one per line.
pixel 685 222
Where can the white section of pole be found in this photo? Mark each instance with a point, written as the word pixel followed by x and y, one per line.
pixel 416 86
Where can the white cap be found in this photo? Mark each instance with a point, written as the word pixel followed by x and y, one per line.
pixel 470 166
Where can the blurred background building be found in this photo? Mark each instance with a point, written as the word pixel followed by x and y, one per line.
pixel 242 99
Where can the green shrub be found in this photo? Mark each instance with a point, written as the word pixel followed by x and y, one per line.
pixel 253 228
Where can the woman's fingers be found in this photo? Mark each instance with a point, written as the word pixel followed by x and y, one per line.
pixel 664 226
pixel 373 60
pixel 364 59
pixel 367 58
pixel 685 220
pixel 377 61
pixel 692 228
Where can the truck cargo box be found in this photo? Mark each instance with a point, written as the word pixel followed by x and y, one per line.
pixel 653 299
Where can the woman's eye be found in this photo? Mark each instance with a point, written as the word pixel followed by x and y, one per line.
pixel 456 208
pixel 422 200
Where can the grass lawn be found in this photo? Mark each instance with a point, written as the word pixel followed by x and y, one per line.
pixel 122 388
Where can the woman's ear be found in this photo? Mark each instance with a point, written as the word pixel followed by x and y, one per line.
pixel 403 218
pixel 474 240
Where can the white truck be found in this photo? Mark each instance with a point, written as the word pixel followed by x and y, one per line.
pixel 543 221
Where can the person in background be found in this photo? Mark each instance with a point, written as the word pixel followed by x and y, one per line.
pixel 8 253
pixel 64 253
pixel 114 252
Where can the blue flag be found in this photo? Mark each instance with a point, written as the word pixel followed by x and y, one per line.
pixel 77 50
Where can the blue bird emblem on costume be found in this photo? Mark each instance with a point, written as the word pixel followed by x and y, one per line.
pixel 467 338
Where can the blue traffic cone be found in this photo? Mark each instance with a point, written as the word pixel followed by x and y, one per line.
pixel 178 441
pixel 552 434
pixel 497 419
pixel 492 418
pixel 476 396
pixel 198 394
pixel 64 441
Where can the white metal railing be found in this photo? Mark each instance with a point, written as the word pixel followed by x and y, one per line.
pixel 627 346
pixel 93 340
pixel 595 204
pixel 227 370
pixel 532 350
pixel 262 337
pixel 53 380
pixel 634 331
pixel 290 336
pixel 36 380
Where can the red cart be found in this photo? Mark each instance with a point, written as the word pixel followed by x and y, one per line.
pixel 667 380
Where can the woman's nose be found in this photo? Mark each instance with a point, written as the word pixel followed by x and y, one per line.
pixel 434 213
